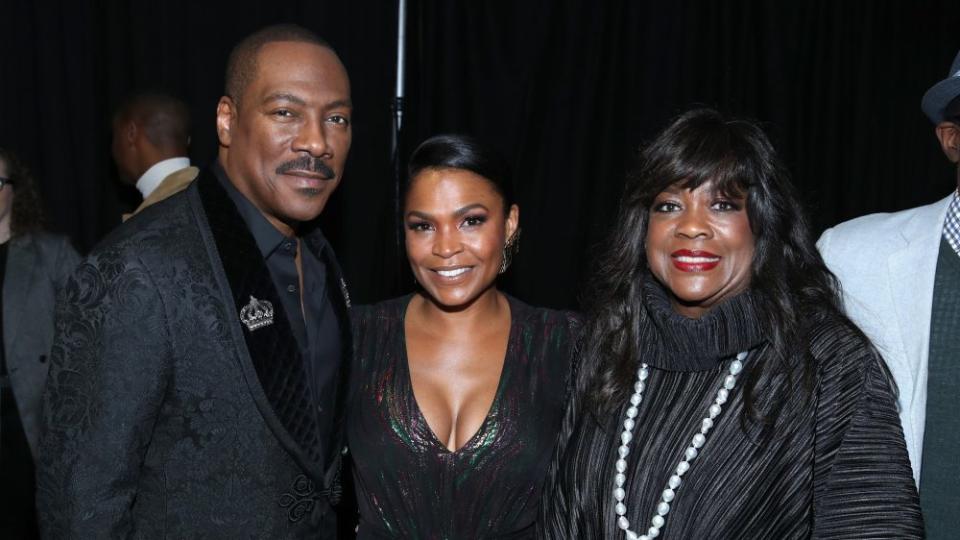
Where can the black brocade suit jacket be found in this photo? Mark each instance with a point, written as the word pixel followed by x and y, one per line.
pixel 164 416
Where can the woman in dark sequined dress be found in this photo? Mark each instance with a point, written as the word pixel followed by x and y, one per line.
pixel 722 392
pixel 458 390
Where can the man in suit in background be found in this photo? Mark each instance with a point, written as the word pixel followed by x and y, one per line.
pixel 199 368
pixel 151 134
pixel 901 282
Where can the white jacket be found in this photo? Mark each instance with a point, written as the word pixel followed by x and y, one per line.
pixel 886 264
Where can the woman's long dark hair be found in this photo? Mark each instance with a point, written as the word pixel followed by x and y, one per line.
pixel 788 276
pixel 26 215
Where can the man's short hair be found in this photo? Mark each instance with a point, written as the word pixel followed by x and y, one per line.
pixel 242 63
pixel 164 119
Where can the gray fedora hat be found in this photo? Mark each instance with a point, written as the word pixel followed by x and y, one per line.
pixel 940 95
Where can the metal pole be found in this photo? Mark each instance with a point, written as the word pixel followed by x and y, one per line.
pixel 401 50
pixel 397 108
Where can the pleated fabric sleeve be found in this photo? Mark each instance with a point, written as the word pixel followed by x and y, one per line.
pixel 861 466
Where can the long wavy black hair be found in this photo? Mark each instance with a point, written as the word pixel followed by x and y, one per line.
pixel 26 215
pixel 788 276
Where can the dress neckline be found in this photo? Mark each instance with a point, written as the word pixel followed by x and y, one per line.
pixel 674 342
pixel 407 377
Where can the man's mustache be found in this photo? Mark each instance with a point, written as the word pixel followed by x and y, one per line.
pixel 307 163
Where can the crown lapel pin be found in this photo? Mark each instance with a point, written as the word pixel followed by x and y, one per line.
pixel 256 314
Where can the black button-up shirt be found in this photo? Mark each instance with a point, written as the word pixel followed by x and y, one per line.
pixel 314 323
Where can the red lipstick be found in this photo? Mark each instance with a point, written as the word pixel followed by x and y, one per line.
pixel 687 260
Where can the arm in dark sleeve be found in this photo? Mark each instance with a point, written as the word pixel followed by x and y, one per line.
pixel 863 484
pixel 558 509
pixel 557 513
pixel 108 374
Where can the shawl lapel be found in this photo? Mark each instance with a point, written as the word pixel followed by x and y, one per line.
pixel 271 359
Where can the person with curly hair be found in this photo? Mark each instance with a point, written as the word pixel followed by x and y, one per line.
pixel 33 266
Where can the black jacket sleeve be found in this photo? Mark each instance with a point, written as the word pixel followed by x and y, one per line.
pixel 108 375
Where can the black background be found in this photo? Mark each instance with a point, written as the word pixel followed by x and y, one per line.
pixel 567 90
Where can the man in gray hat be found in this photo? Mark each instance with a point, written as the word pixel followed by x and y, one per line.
pixel 901 283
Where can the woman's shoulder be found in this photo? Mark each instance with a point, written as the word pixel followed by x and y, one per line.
pixel 52 254
pixel 832 333
pixel 42 241
pixel 383 311
pixel 523 313
pixel 842 351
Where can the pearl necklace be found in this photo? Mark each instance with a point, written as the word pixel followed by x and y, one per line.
pixel 673 484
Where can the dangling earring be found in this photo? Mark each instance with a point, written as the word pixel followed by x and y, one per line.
pixel 510 249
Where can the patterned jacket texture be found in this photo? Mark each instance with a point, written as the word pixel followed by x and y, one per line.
pixel 164 415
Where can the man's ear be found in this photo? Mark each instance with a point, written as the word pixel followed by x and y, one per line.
pixel 130 132
pixel 226 116
pixel 949 135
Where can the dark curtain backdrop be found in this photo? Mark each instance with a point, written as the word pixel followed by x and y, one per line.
pixel 566 90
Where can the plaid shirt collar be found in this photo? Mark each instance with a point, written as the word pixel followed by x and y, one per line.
pixel 951 225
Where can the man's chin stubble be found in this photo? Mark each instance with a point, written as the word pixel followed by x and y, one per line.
pixel 309 192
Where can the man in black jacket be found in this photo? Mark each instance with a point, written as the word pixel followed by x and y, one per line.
pixel 198 371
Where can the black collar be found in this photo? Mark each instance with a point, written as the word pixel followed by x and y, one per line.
pixel 673 342
pixel 267 236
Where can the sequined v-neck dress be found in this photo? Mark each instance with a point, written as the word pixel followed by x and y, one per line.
pixel 409 485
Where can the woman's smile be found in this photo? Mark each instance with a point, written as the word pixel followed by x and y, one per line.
pixel 452 273
pixel 694 260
